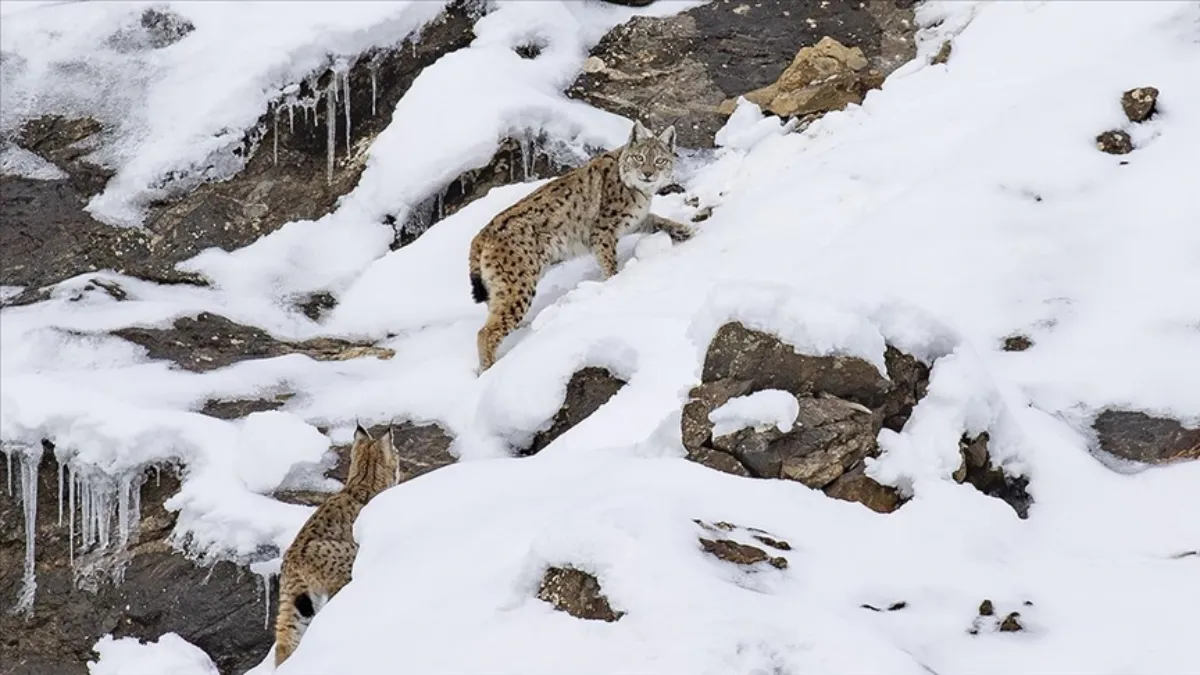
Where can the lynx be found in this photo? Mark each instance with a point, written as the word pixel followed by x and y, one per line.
pixel 585 210
pixel 317 564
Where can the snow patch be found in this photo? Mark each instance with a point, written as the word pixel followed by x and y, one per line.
pixel 759 411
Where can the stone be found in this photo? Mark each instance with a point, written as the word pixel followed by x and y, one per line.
pixel 1115 142
pixel 830 437
pixel 696 429
pixel 230 409
pixel 156 28
pixel 753 449
pixel 315 305
pixel 577 593
pixel 721 461
pixel 909 380
pixel 587 390
pixel 1138 437
pixel 680 68
pixel 943 53
pixel 1139 104
pixel 740 554
pixel 207 342
pixel 825 77
pixel 977 470
pixel 1017 343
pixel 1011 623
pixel 44 220
pixel 856 486
pixel 739 353
pixel 986 608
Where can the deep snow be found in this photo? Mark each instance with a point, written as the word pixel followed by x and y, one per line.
pixel 960 204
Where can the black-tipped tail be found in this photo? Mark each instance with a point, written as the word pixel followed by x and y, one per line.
pixel 304 606
pixel 478 290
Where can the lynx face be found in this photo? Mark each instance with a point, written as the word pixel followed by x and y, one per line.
pixel 648 161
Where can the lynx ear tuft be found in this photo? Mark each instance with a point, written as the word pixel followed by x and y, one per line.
pixel 386 439
pixel 361 434
pixel 639 132
pixel 668 137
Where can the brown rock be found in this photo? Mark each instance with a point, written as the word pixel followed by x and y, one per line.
pixel 1138 437
pixel 774 543
pixel 740 554
pixel 827 76
pixel 739 353
pixel 1017 343
pixel 1139 104
pixel 1115 142
pixel 986 608
pixel 977 469
pixel 721 461
pixel 1011 623
pixel 588 389
pixel 208 342
pixel 909 380
pixel 577 593
pixel 229 409
pixel 943 53
pixel 830 437
pixel 696 429
pixel 856 486
pixel 680 68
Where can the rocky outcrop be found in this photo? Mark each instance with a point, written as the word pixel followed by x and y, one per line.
pixel 720 546
pixel 577 593
pixel 207 342
pixel 588 389
pixel 680 69
pixel 842 403
pixel 1138 437
pixel 1139 104
pixel 284 179
pixel 977 470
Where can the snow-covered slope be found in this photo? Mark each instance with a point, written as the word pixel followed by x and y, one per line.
pixel 960 204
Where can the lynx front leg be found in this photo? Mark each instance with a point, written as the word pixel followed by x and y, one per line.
pixel 604 247
pixel 506 308
pixel 677 231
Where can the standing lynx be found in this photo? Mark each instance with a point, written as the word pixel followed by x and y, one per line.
pixel 318 562
pixel 588 209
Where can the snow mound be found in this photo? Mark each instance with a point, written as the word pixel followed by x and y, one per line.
pixel 169 654
pixel 759 411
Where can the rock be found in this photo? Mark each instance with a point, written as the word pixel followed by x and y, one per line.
pixel 696 429
pixel 943 53
pixel 909 380
pixel 856 486
pixel 754 450
pixel 219 609
pixel 315 305
pixel 740 554
pixel 231 409
pixel 156 28
pixel 207 342
pixel 1139 104
pixel 66 142
pixel 721 461
pixel 1017 343
pixel 1115 142
pixel 44 220
pixel 830 437
pixel 977 469
pixel 773 543
pixel 1011 624
pixel 986 608
pixel 739 353
pixel 577 593
pixel 1138 437
pixel 679 69
pixel 588 389
pixel 825 77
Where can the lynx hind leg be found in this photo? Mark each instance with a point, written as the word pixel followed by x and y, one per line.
pixel 506 308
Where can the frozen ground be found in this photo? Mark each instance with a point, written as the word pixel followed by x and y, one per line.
pixel 962 203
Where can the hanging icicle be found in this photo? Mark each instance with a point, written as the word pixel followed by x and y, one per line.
pixel 346 107
pixel 330 129
pixel 29 459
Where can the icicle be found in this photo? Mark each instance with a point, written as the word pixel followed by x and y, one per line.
pixel 265 570
pixel 157 476
pixel 440 210
pixel 31 457
pixel 346 106
pixel 72 479
pixel 9 456
pixel 275 138
pixel 60 493
pixel 373 91
pixel 291 106
pixel 526 151
pixel 330 129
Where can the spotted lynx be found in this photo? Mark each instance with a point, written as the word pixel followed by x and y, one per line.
pixel 586 210
pixel 318 562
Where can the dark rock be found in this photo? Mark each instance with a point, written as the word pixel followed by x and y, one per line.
pixel 1138 437
pixel 207 342
pixel 773 543
pixel 977 469
pixel 739 353
pixel 856 486
pixel 317 304
pixel 830 437
pixel 587 390
pixel 44 219
pixel 1139 104
pixel 1115 142
pixel 219 608
pixel 577 593
pixel 754 450
pixel 231 409
pixel 1011 624
pixel 986 608
pixel 1017 343
pixel 943 53
pixel 156 28
pixel 721 461
pixel 740 554
pixel 696 429
pixel 910 379
pixel 680 68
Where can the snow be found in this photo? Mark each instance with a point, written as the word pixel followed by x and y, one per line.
pixel 760 411
pixel 168 654
pixel 961 204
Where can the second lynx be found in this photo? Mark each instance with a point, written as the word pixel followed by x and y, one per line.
pixel 585 210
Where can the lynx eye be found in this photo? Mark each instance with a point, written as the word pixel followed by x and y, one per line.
pixel 661 161
pixel 638 159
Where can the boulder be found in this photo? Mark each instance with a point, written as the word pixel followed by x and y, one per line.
pixel 681 68
pixel 207 342
pixel 1139 104
pixel 825 77
pixel 1138 437
pixel 588 389
pixel 1115 142
pixel 977 470
pixel 577 593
